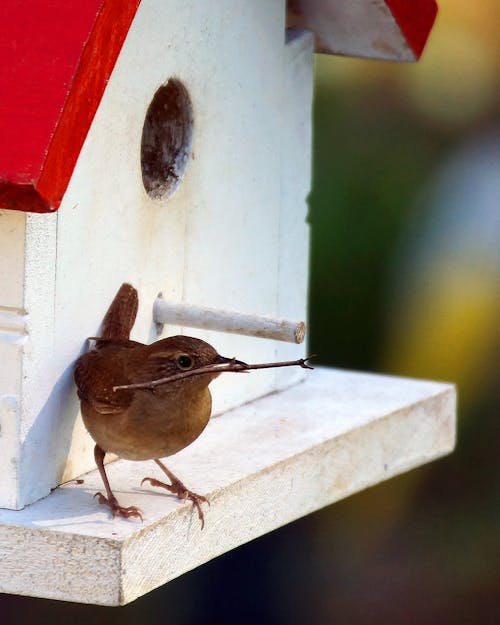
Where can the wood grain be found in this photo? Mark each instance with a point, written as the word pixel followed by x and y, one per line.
pixel 261 465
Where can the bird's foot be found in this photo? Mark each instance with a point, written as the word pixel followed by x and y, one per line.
pixel 116 509
pixel 178 488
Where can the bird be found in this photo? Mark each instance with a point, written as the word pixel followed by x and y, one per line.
pixel 146 402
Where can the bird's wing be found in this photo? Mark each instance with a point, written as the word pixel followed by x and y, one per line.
pixel 96 373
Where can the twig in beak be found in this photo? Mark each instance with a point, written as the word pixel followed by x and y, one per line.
pixel 231 366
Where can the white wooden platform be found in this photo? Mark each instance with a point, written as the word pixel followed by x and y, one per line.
pixel 261 465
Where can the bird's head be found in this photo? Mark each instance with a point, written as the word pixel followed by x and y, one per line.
pixel 177 354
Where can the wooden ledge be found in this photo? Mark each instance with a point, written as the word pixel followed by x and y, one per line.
pixel 261 465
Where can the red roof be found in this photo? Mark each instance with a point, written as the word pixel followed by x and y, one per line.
pixel 57 56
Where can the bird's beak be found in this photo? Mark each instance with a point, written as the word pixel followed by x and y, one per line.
pixel 233 361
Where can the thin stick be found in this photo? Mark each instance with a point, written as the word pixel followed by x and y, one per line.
pixel 218 368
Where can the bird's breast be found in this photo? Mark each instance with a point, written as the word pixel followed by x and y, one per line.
pixel 153 426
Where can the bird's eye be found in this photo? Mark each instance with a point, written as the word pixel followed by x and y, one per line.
pixel 184 362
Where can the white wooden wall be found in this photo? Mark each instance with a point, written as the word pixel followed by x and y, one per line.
pixel 233 236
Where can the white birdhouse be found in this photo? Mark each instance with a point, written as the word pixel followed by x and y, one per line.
pixel 167 144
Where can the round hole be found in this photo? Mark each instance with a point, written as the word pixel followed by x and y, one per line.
pixel 166 140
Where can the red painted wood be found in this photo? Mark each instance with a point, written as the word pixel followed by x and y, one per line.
pixel 415 19
pixel 56 58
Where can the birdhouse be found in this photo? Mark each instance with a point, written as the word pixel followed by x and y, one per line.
pixel 168 144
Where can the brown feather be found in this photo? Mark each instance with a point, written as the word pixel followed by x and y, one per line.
pixel 120 318
pixel 99 370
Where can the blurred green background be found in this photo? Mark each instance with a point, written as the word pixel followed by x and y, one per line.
pixel 405 279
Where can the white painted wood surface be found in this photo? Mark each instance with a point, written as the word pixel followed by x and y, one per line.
pixel 261 465
pixel 293 262
pixel 218 242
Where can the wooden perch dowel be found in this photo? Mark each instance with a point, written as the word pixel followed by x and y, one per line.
pixel 261 326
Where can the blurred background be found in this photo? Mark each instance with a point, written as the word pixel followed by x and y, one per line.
pixel 405 279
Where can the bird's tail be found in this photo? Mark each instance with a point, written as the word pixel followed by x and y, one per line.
pixel 119 320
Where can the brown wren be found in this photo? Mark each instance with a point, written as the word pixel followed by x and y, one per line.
pixel 144 402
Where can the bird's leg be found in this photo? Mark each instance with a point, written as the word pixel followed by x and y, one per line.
pixel 177 488
pixel 111 500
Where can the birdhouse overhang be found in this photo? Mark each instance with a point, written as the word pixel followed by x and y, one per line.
pixel 57 59
pixel 391 30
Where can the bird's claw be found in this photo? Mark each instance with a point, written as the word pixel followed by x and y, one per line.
pixel 117 510
pixel 183 493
